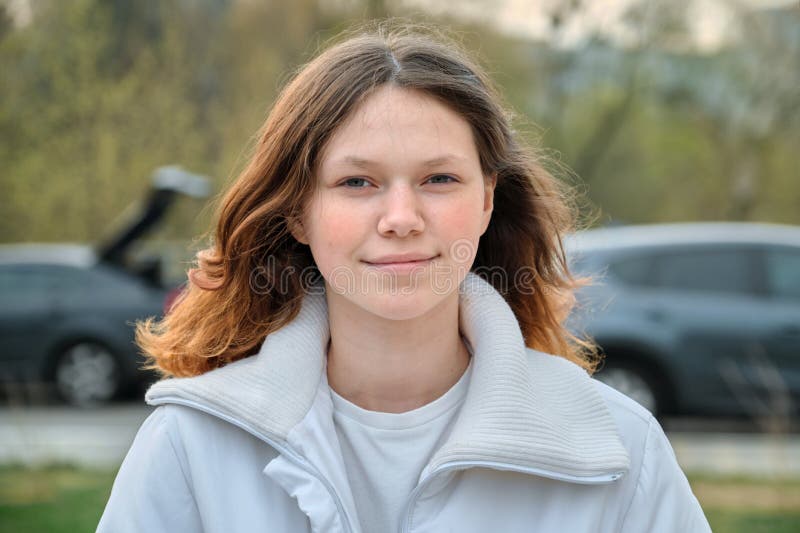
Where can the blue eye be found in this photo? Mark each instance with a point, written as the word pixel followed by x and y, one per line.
pixel 447 176
pixel 350 180
pixel 362 183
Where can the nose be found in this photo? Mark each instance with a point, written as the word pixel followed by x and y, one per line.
pixel 401 213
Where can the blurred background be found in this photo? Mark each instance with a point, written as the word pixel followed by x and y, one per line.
pixel 677 122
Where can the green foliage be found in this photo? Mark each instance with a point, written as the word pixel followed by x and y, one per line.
pixel 94 95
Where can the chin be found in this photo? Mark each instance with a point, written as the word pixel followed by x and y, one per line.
pixel 399 306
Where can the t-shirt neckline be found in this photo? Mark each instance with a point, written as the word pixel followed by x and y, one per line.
pixel 408 419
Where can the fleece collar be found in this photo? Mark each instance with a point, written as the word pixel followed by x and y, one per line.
pixel 523 408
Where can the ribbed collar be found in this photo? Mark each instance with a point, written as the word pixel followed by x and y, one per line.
pixel 523 408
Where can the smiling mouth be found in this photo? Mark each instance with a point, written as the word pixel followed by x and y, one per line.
pixel 402 267
pixel 403 262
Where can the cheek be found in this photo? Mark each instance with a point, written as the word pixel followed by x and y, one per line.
pixel 461 227
pixel 335 232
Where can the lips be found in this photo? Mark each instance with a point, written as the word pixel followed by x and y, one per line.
pixel 401 258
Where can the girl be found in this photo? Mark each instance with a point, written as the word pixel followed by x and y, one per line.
pixel 374 342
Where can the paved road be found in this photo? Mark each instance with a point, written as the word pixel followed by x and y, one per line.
pixel 97 437
pixel 100 438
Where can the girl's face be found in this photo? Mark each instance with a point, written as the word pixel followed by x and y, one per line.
pixel 399 181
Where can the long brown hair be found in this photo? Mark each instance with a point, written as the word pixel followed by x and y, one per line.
pixel 223 315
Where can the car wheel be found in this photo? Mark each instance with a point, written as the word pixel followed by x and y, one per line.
pixel 87 373
pixel 633 383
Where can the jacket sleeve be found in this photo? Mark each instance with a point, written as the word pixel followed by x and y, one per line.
pixel 151 492
pixel 663 501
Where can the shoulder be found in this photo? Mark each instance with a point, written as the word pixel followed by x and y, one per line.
pixel 190 427
pixel 655 484
pixel 206 448
pixel 638 429
pixel 659 479
pixel 630 416
pixel 553 368
pixel 634 423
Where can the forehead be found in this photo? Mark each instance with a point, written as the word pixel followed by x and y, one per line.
pixel 394 121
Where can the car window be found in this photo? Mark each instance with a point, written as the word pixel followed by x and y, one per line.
pixel 727 270
pixel 634 270
pixel 16 279
pixel 783 272
pixel 65 277
pixel 71 279
pixel 21 277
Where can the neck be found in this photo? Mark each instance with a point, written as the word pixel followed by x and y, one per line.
pixel 394 366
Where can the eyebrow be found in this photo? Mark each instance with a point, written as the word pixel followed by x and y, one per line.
pixel 360 162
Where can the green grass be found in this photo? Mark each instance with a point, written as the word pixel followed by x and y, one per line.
pixel 66 499
pixel 724 520
pixel 745 504
pixel 52 499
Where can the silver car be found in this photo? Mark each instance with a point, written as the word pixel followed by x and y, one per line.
pixel 695 318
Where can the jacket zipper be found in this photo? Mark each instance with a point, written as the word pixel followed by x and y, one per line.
pixel 283 450
pixel 462 465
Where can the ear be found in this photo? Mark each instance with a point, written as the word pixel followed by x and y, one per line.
pixel 489 185
pixel 297 230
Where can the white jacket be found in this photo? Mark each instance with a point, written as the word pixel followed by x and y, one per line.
pixel 538 446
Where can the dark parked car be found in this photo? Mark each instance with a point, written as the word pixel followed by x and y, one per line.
pixel 67 311
pixel 695 318
pixel 65 320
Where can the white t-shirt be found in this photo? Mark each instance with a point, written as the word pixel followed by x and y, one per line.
pixel 384 453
